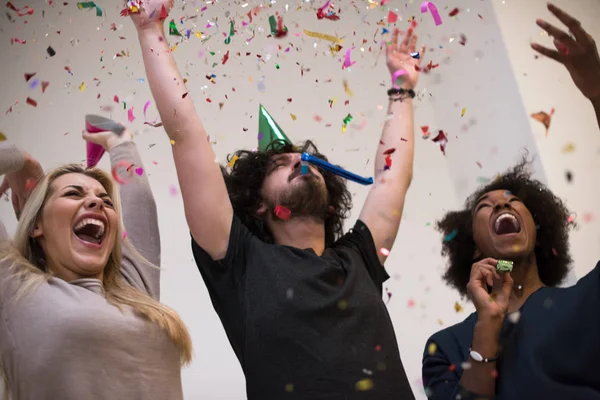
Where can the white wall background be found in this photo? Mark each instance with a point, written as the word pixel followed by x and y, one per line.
pixel 494 76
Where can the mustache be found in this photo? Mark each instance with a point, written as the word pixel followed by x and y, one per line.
pixel 298 171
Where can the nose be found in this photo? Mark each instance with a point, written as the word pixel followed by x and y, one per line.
pixel 500 204
pixel 94 203
pixel 296 158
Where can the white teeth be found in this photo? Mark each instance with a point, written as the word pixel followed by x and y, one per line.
pixel 504 216
pixel 91 221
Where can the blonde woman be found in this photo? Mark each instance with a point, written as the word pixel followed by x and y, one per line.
pixel 79 310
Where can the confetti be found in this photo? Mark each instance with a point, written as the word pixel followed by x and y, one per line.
pixel 225 58
pixel 451 235
pixel 289 388
pixel 132 7
pixel 232 162
pixel 431 349
pixel 442 139
pixel 139 171
pixel 2 137
pixel 163 13
pixel 347 62
pixel 544 118
pixel 90 4
pixel 569 148
pixel 82 87
pixel 293 116
pixel 453 12
pixel 457 307
pixel 146 107
pixel 282 212
pixel 462 113
pixel 173 29
pixel 31 102
pixel 50 51
pixel 130 115
pixel 323 36
pixel 514 317
pixel 384 252
pixel 433 10
pixel 231 32
pixel 415 55
pixel 364 384
pixel 347 88
pixel 321 13
pixel 29 76
pixel 463 39
pixel 278 29
pixel 392 17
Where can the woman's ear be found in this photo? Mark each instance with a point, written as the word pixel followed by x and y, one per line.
pixel 36 232
pixel 262 210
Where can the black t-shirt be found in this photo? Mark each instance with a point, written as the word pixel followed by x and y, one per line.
pixel 551 352
pixel 304 326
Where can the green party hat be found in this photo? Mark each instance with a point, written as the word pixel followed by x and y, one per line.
pixel 268 130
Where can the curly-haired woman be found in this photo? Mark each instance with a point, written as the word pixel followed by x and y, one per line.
pixel 527 339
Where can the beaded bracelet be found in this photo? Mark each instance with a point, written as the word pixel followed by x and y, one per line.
pixel 403 94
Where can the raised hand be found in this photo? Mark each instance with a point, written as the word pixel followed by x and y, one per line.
pixel 577 51
pixel 147 12
pixel 398 57
pixel 22 182
pixel 108 139
pixel 484 275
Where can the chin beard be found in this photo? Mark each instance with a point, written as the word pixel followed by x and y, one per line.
pixel 308 199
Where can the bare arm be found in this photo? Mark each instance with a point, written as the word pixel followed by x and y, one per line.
pixel 207 207
pixel 383 208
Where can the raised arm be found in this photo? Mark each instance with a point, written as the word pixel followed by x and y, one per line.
pixel 577 52
pixel 394 159
pixel 140 218
pixel 207 207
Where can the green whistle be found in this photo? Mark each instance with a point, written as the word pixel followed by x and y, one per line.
pixel 504 266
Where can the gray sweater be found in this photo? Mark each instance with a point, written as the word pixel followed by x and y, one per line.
pixel 64 341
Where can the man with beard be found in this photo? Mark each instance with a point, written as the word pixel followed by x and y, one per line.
pixel 300 303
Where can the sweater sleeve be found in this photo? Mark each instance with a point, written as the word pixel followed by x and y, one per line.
pixel 11 160
pixel 141 223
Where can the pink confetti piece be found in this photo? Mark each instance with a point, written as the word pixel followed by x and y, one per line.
pixel 347 62
pixel 146 108
pixel 395 76
pixel 139 171
pixel 124 235
pixel 392 17
pixel 130 115
pixel 173 190
pixel 433 10
pixel 384 252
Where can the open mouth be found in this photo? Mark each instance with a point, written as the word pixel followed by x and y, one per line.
pixel 506 224
pixel 90 230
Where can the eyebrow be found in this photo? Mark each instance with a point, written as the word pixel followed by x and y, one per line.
pixel 80 188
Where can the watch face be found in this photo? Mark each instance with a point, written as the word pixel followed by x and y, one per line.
pixel 476 356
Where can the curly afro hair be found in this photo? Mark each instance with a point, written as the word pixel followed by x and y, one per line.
pixel 245 179
pixel 549 214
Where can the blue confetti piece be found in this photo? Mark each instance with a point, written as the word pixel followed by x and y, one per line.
pixel 188 33
pixel 415 55
pixel 34 84
pixel 451 235
pixel 384 31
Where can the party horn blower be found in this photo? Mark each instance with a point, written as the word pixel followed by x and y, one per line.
pixel 95 124
pixel 308 158
pixel 268 130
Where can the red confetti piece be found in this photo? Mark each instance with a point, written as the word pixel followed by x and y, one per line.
pixel 10 5
pixel 392 17
pixel 28 12
pixel 225 58
pixel 163 13
pixel 389 151
pixel 452 368
pixel 411 303
pixel 17 40
pixel 442 139
pixel 453 12
pixel 378 348
pixel 116 99
pixel 31 102
pixel 183 96
pixel 282 212
pixel 29 76
pixel 388 162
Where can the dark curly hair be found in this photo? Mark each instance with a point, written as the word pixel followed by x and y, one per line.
pixel 549 214
pixel 245 179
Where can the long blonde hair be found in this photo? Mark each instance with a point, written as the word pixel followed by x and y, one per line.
pixel 28 265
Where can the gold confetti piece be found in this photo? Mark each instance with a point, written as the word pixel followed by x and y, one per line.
pixel 342 304
pixel 82 86
pixel 2 137
pixel 232 162
pixel 172 142
pixel 324 36
pixel 462 113
pixel 457 307
pixel 544 118
pixel 431 349
pixel 293 116
pixel 347 88
pixel 569 148
pixel 364 384
pixel 289 388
